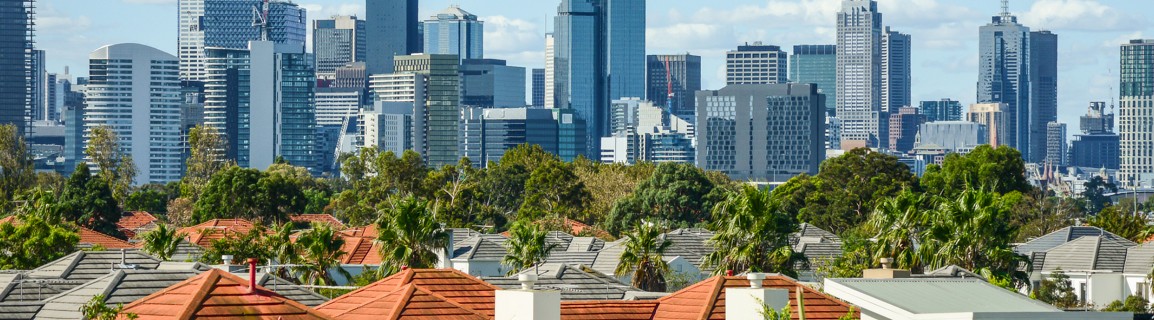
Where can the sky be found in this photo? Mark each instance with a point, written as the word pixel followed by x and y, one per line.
pixel 945 34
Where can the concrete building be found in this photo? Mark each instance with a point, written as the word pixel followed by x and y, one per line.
pixel 952 136
pixel 1043 93
pixel 859 72
pixel 228 24
pixel 396 122
pixel 538 98
pixel 550 71
pixel 1056 147
pixel 1136 112
pixel 134 91
pixel 761 132
pixel 996 120
pixel 941 110
pixel 350 76
pixel 338 41
pixel 391 26
pixel 335 106
pixel 1098 145
pixel 679 72
pixel 896 75
pixel 455 31
pixel 38 107
pixel 72 114
pixel 1004 77
pixel 442 114
pixel 16 59
pixel 646 132
pixel 492 83
pixel 904 124
pixel 816 64
pixel 756 63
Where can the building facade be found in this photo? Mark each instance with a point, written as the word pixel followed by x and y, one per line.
pixel 442 113
pixel 1004 76
pixel 1043 94
pixel 1097 145
pixel 1136 113
pixel 816 64
pixel 391 26
pixel 647 132
pixel 396 121
pixel 756 63
pixel 896 75
pixel 134 91
pixel 492 83
pixel 761 132
pixel 538 88
pixel 996 120
pixel 455 31
pixel 490 132
pixel 338 41
pixel 941 110
pixel 859 72
pixel 904 124
pixel 1056 147
pixel 579 66
pixel 625 47
pixel 229 24
pixel 952 136
pixel 16 62
pixel 681 74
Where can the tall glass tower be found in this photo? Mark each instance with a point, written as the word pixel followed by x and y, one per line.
pixel 859 74
pixel 816 64
pixel 16 63
pixel 1004 75
pixel 229 24
pixel 337 42
pixel 392 29
pixel 580 75
pixel 1043 93
pixel 1136 113
pixel 625 31
pixel 455 31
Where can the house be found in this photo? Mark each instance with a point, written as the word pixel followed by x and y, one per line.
pixel 93 239
pixel 199 238
pixel 1095 265
pixel 134 223
pixel 576 282
pixel 23 293
pixel 819 247
pixel 481 255
pixel 450 291
pixel 1062 236
pixel 608 257
pixel 118 287
pixel 217 293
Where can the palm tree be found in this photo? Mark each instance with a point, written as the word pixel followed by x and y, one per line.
pixel 752 235
pixel 527 246
pixel 162 242
pixel 974 232
pixel 409 236
pixel 898 223
pixel 643 256
pixel 282 248
pixel 320 249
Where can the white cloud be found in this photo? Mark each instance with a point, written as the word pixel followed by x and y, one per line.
pixel 689 36
pixel 1080 15
pixel 150 1
pixel 506 36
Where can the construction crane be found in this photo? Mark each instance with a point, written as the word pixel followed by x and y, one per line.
pixel 260 19
pixel 668 87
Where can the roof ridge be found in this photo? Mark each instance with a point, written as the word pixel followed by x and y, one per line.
pixel 201 293
pixel 718 287
pixel 450 301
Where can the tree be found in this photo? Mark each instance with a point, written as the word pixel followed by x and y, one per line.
pixel 116 167
pixel 270 197
pixel 526 246
pixel 206 157
pixel 1095 194
pixel 897 223
pixel 606 183
pixel 1057 291
pixel 16 170
pixel 1122 221
pixel 1000 170
pixel 376 177
pixel 89 202
pixel 96 309
pixel 679 193
pixel 162 242
pixel 281 248
pixel 844 193
pixel 973 231
pixel 149 198
pixel 409 236
pixel 1037 214
pixel 643 258
pixel 180 212
pixel 320 249
pixel 32 242
pixel 752 234
pixel 1134 304
pixel 555 190
pixel 241 246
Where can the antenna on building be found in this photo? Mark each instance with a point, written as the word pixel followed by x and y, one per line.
pixel 1005 8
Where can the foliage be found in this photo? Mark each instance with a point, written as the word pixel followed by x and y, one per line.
pixel 1000 170
pixel 151 198
pixel 206 148
pixel 643 257
pixel 162 242
pixel 270 197
pixel 320 249
pixel 180 212
pixel 527 246
pixel 89 202
pixel 1057 291
pixel 679 193
pixel 752 234
pixel 606 183
pixel 554 189
pixel 899 223
pixel 16 170
pixel 1123 222
pixel 409 236
pixel 857 256
pixel 96 309
pixel 768 313
pixel 1036 215
pixel 1095 194
pixel 242 246
pixel 843 194
pixel 115 166
pixel 376 177
pixel 33 242
pixel 1134 304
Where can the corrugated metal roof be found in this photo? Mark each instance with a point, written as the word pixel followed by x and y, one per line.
pixel 923 296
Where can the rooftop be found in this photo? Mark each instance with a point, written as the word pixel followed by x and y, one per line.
pixel 219 294
pixel 949 295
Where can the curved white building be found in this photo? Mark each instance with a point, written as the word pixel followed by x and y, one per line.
pixel 135 90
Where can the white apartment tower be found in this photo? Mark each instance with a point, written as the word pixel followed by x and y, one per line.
pixel 859 76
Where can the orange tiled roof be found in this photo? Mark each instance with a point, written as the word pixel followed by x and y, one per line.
pixel 322 218
pixel 369 231
pixel 203 234
pixel 92 237
pixel 604 310
pixel 706 300
pixel 135 219
pixel 410 302
pixel 449 285
pixel 8 219
pixel 219 294
pixel 360 250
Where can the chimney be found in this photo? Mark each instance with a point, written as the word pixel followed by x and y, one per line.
pixel 527 303
pixel 747 303
pixel 251 275
pixel 885 272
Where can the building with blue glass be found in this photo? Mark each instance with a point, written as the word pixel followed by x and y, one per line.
pixel 392 27
pixel 492 83
pixel 229 24
pixel 941 110
pixel 580 72
pixel 455 31
pixel 679 72
pixel 538 88
pixel 337 42
pixel 816 64
pixel 625 47
pixel 16 63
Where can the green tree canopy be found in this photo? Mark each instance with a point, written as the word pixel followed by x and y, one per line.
pixel 1095 194
pixel 320 249
pixel 242 246
pixel 526 245
pixel 162 242
pixel 679 193
pixel 31 242
pixel 1000 170
pixel 375 177
pixel 1057 291
pixel 206 157
pixel 115 166
pixel 270 198
pixel 89 202
pixel 16 170
pixel 1122 221
pixel 410 236
pixel 752 234
pixel 643 258
pixel 554 189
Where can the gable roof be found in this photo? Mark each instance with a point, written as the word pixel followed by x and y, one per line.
pixel 691 244
pixel 1084 253
pixel 369 231
pixel 576 282
pixel 409 302
pixel 288 289
pixel 120 287
pixel 89 265
pixel 203 234
pixel 1139 259
pixel 18 288
pixel 318 218
pixel 216 293
pixel 486 247
pixel 360 250
pixel 599 310
pixel 1067 234
pixel 131 223
pixel 449 285
pixel 92 238
pixel 706 299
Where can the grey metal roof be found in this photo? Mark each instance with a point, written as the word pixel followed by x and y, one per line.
pixel 576 282
pixel 89 265
pixel 290 290
pixel 1085 253
pixel 608 257
pixel 939 295
pixel 120 287
pixel 481 247
pixel 1057 238
pixel 574 258
pixel 1140 259
pixel 19 310
pixel 187 252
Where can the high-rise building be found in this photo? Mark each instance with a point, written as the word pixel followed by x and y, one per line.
pixel 335 106
pixel 353 75
pixel 1136 113
pixel 442 113
pixel 904 124
pixel 1004 76
pixel 53 96
pixel 756 63
pixel 624 23
pixel 647 132
pixel 391 26
pixel 1056 147
pixel 1043 94
pixel 37 91
pixel 996 120
pixel 337 42
pixel 580 60
pixel 953 136
pixel 241 104
pixel 896 75
pixel 397 120
pixel 492 83
pixel 572 133
pixel 859 72
pixel 16 63
pixel 941 110
pixel 134 91
pixel 455 31
pixel 1097 146
pixel 73 116
pixel 538 88
pixel 550 71
pixel 816 64
pixel 230 24
pixel 761 132
pixel 490 132
pixel 679 72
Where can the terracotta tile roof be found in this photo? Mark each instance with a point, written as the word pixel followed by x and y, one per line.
pixel 8 219
pixel 410 302
pixel 607 310
pixel 322 218
pixel 369 231
pixel 706 300
pixel 218 294
pixel 449 285
pixel 360 250
pixel 203 234
pixel 131 222
pixel 91 237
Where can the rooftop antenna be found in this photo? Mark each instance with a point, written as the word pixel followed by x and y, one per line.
pixel 1006 8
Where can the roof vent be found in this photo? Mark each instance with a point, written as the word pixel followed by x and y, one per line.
pixel 527 281
pixel 886 262
pixel 756 280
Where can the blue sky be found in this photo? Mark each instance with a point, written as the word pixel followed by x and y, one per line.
pixel 945 34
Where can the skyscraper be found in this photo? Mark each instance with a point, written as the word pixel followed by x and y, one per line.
pixel 134 91
pixel 816 64
pixel 16 60
pixel 996 120
pixel 1056 148
pixel 1043 94
pixel 1097 146
pixel 684 72
pixel 941 110
pixel 336 42
pixel 230 24
pixel 1137 113
pixel 538 88
pixel 490 132
pixel 904 124
pixel 455 31
pixel 896 75
pixel 492 83
pixel 391 26
pixel 625 47
pixel 442 114
pixel 859 72
pixel 1004 76
pixel 396 121
pixel 761 132
pixel 756 63
pixel 550 71
pixel 580 71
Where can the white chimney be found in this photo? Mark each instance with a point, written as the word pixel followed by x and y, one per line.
pixel 747 303
pixel 527 303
